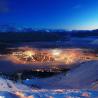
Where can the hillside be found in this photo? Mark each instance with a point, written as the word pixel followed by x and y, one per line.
pixel 82 76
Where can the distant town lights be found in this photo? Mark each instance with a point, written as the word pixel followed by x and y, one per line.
pixel 56 52
pixel 29 53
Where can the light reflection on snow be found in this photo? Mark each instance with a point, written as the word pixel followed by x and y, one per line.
pixel 51 93
pixel 60 93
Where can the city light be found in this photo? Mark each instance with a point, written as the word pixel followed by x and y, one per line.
pixel 29 53
pixel 56 52
pixel 21 95
pixel 66 56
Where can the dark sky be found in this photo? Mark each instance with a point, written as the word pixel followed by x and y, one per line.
pixel 53 14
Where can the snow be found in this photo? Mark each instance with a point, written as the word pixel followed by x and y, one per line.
pixel 19 90
pixel 8 85
pixel 79 82
pixel 80 77
pixel 4 94
pixel 53 94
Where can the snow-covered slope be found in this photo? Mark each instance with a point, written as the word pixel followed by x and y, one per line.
pixel 8 85
pixel 9 89
pixel 5 94
pixel 82 76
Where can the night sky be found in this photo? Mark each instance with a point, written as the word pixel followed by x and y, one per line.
pixel 52 14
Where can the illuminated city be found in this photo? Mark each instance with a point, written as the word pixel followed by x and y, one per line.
pixel 26 55
pixel 48 48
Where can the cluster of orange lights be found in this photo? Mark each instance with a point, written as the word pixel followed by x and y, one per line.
pixel 67 56
pixel 21 95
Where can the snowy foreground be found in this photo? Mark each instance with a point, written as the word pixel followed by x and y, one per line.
pixel 80 82
pixel 44 93
pixel 60 93
pixel 83 76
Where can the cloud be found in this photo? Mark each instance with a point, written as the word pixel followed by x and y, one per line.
pixel 85 27
pixel 4 6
